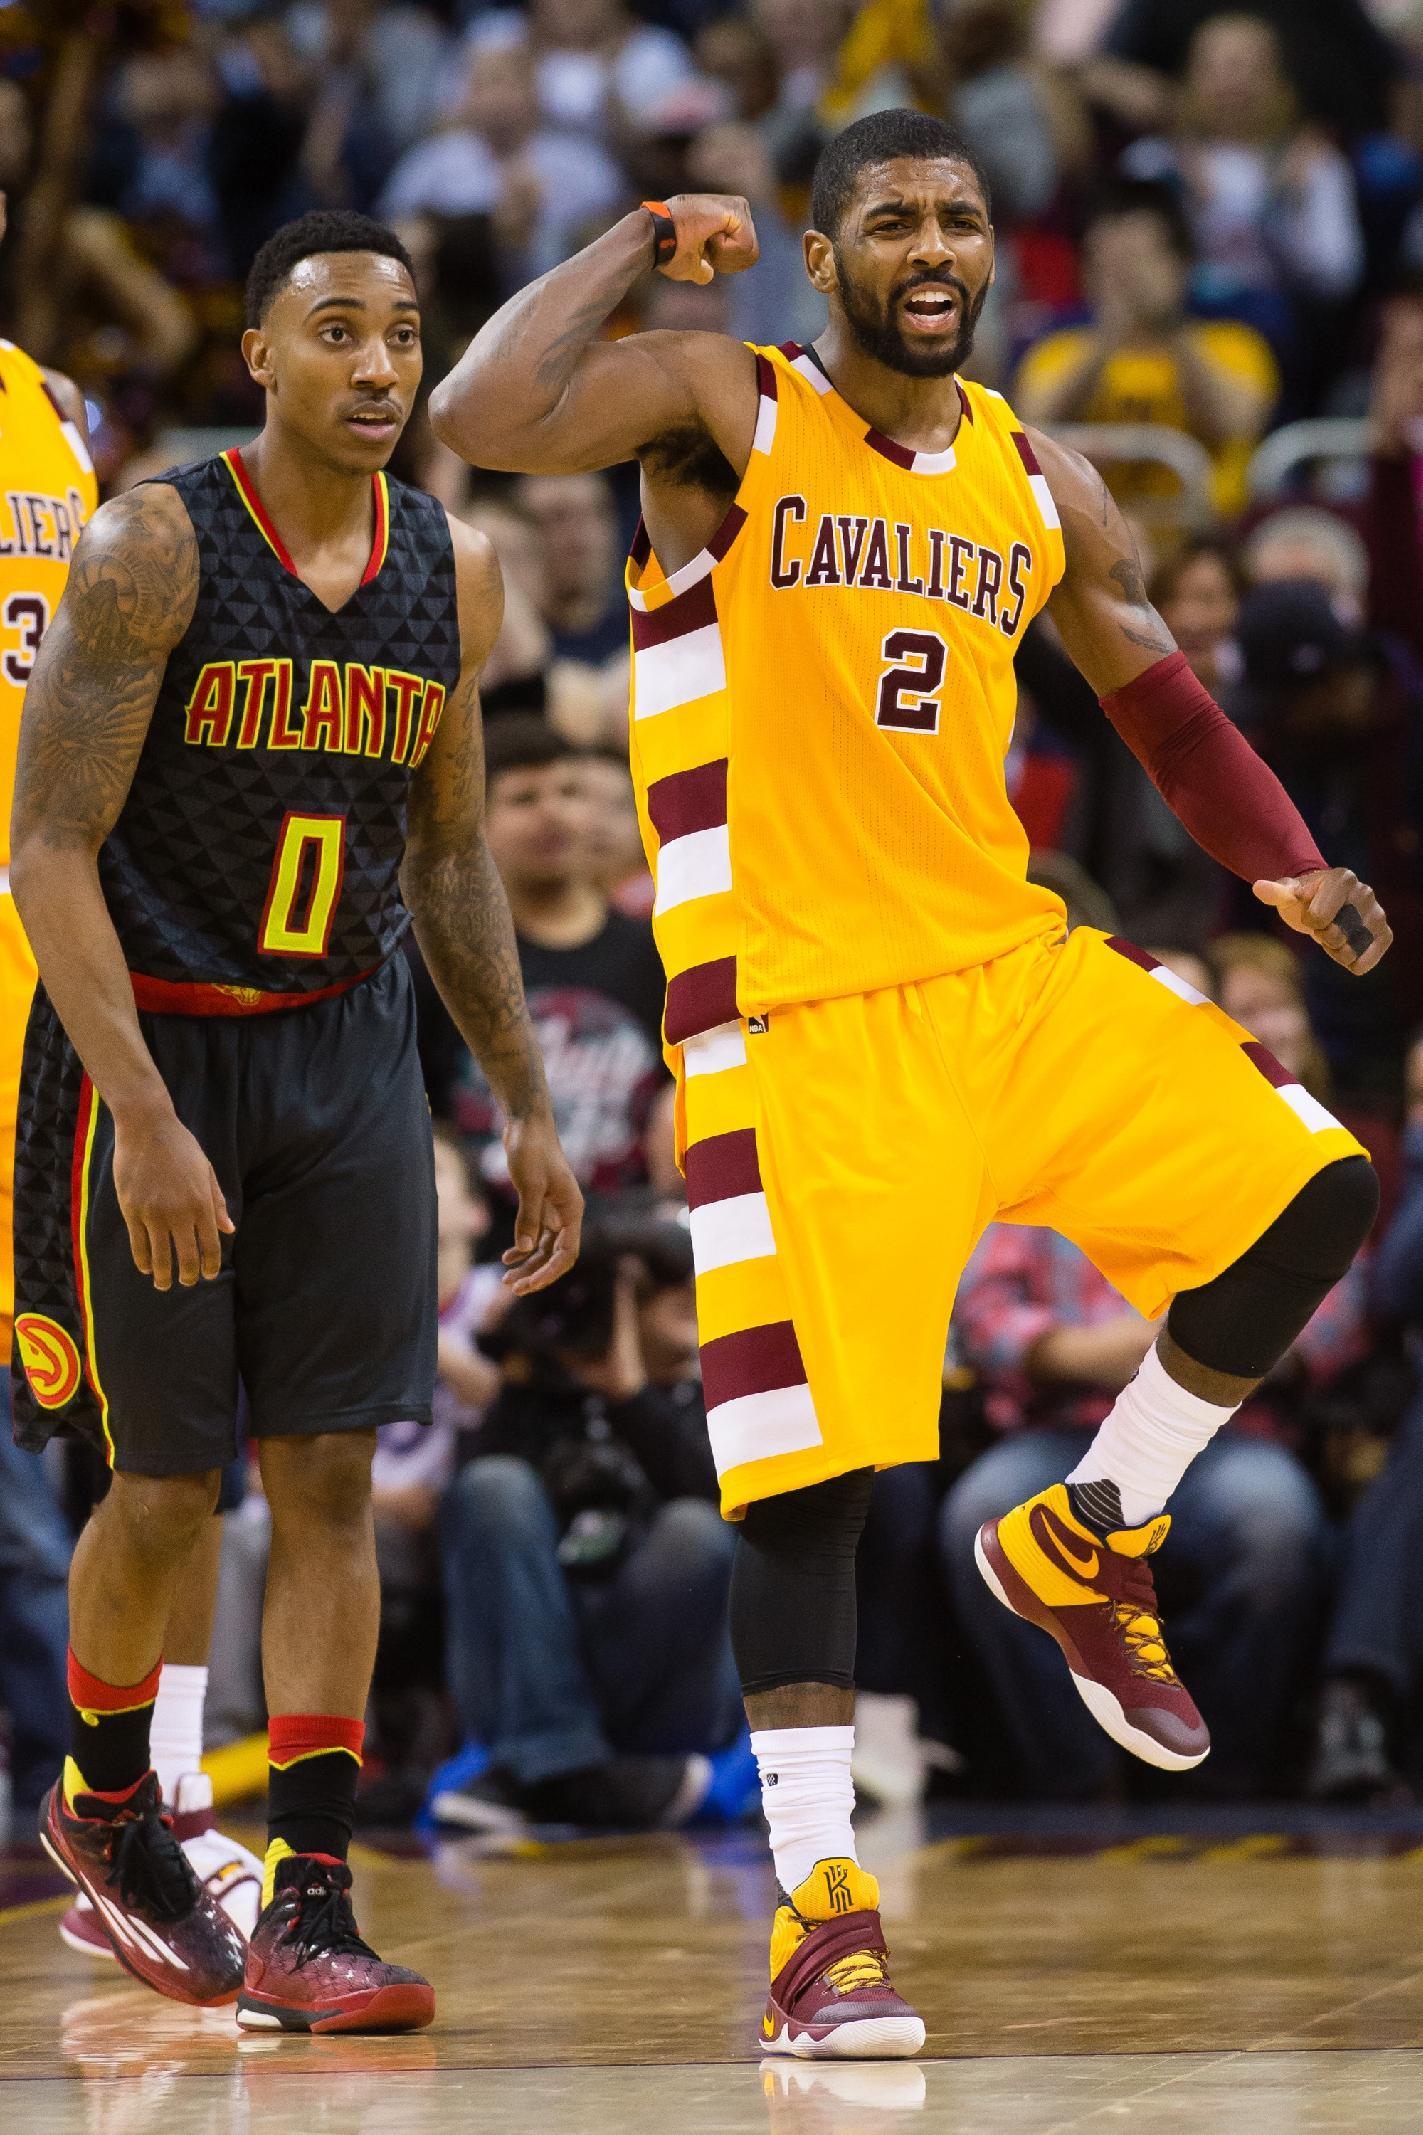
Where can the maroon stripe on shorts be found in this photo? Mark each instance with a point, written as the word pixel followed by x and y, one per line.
pixel 723 1166
pixel 700 999
pixel 887 449
pixel 1133 955
pixel 1025 451
pixel 766 377
pixel 676 618
pixel 1261 1057
pixel 754 1362
pixel 686 801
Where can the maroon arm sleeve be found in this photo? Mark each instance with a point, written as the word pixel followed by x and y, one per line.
pixel 1209 776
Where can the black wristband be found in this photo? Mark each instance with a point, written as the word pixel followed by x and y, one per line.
pixel 664 232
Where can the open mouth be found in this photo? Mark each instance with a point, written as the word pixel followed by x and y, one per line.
pixel 930 310
pixel 378 423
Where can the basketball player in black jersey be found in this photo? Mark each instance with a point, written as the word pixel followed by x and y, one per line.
pixel 252 723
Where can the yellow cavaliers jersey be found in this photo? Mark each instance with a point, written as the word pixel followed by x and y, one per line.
pixel 47 491
pixel 822 703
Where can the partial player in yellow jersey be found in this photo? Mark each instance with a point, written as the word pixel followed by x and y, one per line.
pixel 48 492
pixel 883 1035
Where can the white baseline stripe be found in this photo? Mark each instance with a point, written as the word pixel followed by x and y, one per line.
pixel 724 1233
pixel 1310 1110
pixel 678 672
pixel 759 1426
pixel 698 865
pixel 714 1051
pixel 1179 986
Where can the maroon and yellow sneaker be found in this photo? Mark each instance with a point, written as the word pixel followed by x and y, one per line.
pixel 831 1994
pixel 226 1870
pixel 1091 1589
pixel 160 1922
pixel 309 1970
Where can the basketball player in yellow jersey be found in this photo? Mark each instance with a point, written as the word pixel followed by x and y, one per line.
pixel 883 1036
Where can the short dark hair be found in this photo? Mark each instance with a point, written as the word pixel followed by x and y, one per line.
pixel 522 741
pixel 1146 196
pixel 323 230
pixel 880 138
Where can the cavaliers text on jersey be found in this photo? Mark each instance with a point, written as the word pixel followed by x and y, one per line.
pixel 822 703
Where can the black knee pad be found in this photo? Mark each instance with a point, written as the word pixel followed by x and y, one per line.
pixel 793 1585
pixel 1244 1321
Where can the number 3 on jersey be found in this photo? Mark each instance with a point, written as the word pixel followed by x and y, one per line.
pixel 306 882
pixel 909 688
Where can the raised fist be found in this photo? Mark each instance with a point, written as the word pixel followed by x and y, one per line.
pixel 715 235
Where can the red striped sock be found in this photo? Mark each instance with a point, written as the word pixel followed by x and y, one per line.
pixel 313 1764
pixel 108 1733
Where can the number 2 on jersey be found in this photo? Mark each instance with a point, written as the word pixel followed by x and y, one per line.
pixel 909 689
pixel 306 882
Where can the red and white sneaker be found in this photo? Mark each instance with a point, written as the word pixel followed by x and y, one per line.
pixel 161 1924
pixel 1091 1589
pixel 226 1870
pixel 831 1994
pixel 308 1968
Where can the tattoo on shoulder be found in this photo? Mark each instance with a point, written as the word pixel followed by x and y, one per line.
pixel 130 596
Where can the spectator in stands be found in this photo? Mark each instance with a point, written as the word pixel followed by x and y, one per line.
pixel 1305 541
pixel 1270 199
pixel 597 67
pixel 1373 1655
pixel 615 849
pixel 1022 119
pixel 540 183
pixel 1323 707
pixel 592 975
pixel 1393 516
pixel 1197 593
pixel 586 1563
pixel 1053 1344
pixel 1142 358
pixel 585 606
pixel 1258 981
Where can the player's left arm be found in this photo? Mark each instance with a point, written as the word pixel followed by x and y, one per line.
pixel 466 935
pixel 1231 802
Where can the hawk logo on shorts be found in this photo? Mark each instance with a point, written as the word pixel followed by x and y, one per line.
pixel 246 996
pixel 50 1358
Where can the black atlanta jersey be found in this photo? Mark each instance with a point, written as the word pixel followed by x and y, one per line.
pixel 257 856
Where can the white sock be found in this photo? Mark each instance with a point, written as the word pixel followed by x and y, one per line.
pixel 808 1796
pixel 1154 1432
pixel 176 1736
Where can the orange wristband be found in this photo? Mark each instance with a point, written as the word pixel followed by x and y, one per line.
pixel 664 232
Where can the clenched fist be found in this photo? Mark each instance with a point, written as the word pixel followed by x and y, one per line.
pixel 715 235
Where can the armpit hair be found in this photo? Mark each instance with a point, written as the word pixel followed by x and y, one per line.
pixel 691 458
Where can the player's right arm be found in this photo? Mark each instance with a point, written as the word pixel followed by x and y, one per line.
pixel 129 599
pixel 540 391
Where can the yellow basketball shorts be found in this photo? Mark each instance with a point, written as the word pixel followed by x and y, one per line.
pixel 17 984
pixel 842 1159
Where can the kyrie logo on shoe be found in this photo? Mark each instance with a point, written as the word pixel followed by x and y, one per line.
pixel 837 1888
pixel 1052 1537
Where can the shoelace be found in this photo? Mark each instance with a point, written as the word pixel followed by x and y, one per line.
pixel 1136 1617
pixel 862 1968
pixel 324 1926
pixel 154 1874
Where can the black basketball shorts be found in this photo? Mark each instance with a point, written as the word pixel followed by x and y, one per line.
pixel 316 1123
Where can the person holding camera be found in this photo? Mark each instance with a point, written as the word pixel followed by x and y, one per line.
pixel 586 1564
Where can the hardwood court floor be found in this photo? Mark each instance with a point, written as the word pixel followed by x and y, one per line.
pixel 1073 1979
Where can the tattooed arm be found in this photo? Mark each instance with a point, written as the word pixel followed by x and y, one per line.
pixel 1109 627
pixel 1206 771
pixel 129 599
pixel 466 935
pixel 540 391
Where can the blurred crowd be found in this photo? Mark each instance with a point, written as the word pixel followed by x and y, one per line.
pixel 1210 230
